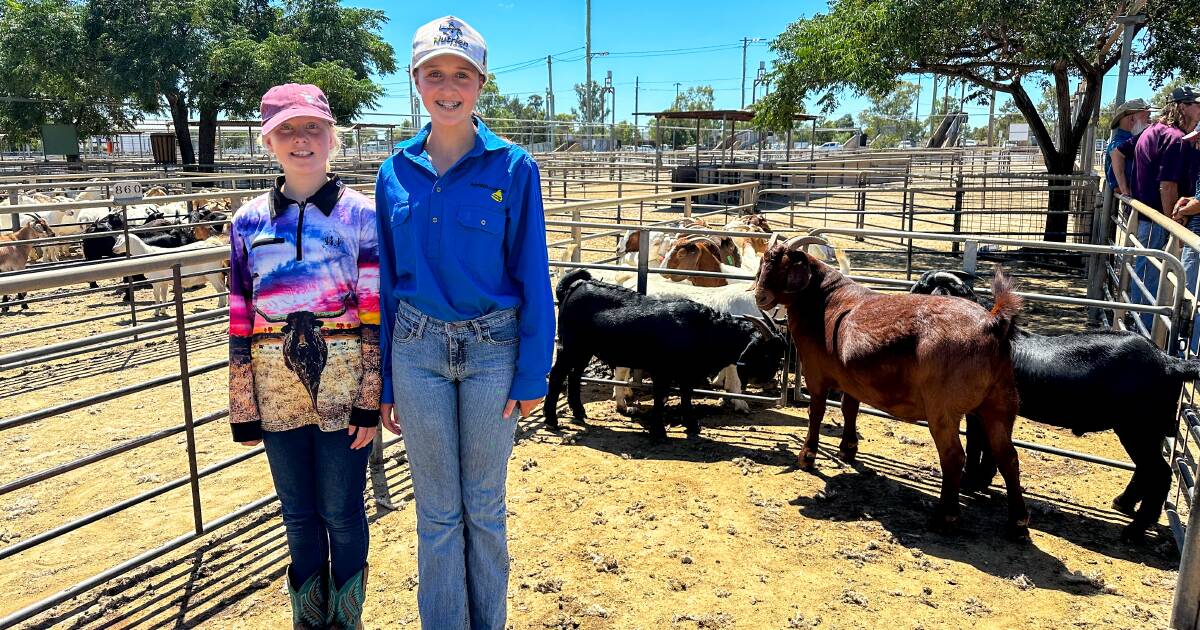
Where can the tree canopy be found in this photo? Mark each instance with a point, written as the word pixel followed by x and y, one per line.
pixel 1013 47
pixel 109 60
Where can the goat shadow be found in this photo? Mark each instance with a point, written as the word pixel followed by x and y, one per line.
pixel 902 490
pixel 910 492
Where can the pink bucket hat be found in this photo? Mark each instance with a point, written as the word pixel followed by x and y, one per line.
pixel 290 100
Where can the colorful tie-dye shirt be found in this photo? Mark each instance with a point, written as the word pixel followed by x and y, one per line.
pixel 303 313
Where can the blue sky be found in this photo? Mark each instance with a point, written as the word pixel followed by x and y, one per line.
pixel 652 41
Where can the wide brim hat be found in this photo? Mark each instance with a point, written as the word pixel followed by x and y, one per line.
pixel 1129 107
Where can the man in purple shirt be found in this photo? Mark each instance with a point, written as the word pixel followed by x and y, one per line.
pixel 1165 168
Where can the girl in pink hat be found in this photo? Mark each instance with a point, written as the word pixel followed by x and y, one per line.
pixel 304 372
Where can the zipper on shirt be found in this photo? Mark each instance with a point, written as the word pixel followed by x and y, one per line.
pixel 300 231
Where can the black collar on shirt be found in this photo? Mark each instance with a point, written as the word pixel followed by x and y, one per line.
pixel 325 198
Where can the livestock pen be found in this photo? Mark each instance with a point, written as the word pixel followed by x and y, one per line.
pixel 608 530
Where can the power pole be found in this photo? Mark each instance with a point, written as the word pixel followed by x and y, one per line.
pixel 916 110
pixel 637 91
pixel 587 55
pixel 550 98
pixel 992 121
pixel 677 91
pixel 745 43
pixel 933 107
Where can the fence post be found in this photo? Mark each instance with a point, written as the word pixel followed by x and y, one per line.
pixel 129 292
pixel 378 476
pixel 687 205
pixel 576 236
pixel 643 260
pixel 1185 609
pixel 1100 228
pixel 958 209
pixel 185 383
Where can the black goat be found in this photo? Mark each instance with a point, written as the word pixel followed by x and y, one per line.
pixel 676 341
pixel 99 247
pixel 1087 382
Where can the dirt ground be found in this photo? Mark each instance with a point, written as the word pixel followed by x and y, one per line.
pixel 607 529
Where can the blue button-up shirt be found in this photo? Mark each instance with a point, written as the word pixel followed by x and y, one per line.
pixel 466 243
pixel 1119 136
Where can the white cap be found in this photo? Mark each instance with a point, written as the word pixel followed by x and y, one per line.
pixel 449 36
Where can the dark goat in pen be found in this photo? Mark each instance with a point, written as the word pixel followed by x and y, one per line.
pixel 914 356
pixel 676 341
pixel 1086 382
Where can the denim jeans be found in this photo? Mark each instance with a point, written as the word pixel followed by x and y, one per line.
pixel 1152 237
pixel 1191 268
pixel 320 482
pixel 451 381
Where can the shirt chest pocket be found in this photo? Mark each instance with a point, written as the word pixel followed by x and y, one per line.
pixel 402 250
pixel 480 242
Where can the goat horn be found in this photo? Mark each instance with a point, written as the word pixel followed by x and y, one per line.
pixel 775 236
pixel 798 242
pixel 760 325
pixel 770 322
pixel 965 276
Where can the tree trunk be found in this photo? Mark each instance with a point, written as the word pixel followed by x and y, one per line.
pixel 208 137
pixel 179 116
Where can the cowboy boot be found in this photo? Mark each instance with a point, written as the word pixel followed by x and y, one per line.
pixel 310 606
pixel 346 603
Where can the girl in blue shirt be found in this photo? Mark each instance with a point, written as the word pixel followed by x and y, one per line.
pixel 467 325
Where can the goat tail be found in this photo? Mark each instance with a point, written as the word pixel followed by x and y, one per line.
pixel 1007 306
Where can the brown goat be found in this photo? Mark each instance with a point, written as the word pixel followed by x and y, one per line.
pixel 698 253
pixel 752 223
pixel 14 254
pixel 631 242
pixel 917 357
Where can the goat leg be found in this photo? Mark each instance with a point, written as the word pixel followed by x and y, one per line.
pixel 998 427
pixel 656 421
pixel 848 449
pixel 690 423
pixel 574 387
pixel 4 309
pixel 1152 478
pixel 816 414
pixel 558 373
pixel 980 466
pixel 944 431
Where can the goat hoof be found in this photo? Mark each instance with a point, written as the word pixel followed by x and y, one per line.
pixel 807 460
pixel 1017 532
pixel 943 523
pixel 551 423
pixel 1134 534
pixel 848 453
pixel 740 406
pixel 1126 507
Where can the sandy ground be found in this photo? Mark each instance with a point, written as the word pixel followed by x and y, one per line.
pixel 607 529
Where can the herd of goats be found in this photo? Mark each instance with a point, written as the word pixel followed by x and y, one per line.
pixel 153 228
pixel 932 354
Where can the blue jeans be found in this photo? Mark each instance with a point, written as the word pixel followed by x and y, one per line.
pixel 451 381
pixel 320 482
pixel 1152 237
pixel 1191 268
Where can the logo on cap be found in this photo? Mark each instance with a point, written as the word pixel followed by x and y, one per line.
pixel 451 36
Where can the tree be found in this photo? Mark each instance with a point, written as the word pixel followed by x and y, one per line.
pixel 50 73
pixel 214 56
pixel 599 102
pixel 864 46
pixel 698 98
pixel 889 117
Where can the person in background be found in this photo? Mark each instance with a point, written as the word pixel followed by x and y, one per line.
pixel 1129 120
pixel 1165 169
pixel 468 325
pixel 304 369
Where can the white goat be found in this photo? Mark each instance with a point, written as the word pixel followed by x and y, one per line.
pixel 161 279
